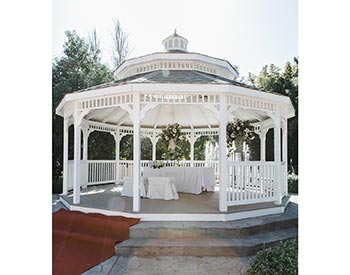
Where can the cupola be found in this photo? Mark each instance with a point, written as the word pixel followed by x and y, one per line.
pixel 175 43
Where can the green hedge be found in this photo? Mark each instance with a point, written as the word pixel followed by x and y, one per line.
pixel 293 183
pixel 279 260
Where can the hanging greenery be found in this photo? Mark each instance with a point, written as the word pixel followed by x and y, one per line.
pixel 172 136
pixel 238 132
pixel 171 132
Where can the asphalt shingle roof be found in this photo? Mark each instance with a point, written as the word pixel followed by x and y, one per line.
pixel 171 76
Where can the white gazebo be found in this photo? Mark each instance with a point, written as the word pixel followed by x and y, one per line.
pixel 176 86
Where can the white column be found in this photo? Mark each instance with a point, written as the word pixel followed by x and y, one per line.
pixel 277 157
pixel 262 136
pixel 285 156
pixel 86 134
pixel 76 183
pixel 222 152
pixel 154 141
pixel 117 139
pixel 84 168
pixel 137 152
pixel 192 142
pixel 65 156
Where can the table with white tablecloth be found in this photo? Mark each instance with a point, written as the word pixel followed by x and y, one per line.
pixel 187 179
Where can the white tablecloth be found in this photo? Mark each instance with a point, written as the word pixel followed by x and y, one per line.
pixel 162 188
pixel 128 187
pixel 187 179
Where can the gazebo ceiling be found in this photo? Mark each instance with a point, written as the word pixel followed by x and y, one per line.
pixel 188 116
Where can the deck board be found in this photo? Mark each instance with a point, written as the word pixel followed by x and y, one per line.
pixel 108 197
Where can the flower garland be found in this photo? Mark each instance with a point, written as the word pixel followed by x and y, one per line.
pixel 238 132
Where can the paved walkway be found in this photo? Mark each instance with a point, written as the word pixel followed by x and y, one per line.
pixel 165 265
pixel 171 265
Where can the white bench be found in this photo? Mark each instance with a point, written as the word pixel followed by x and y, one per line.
pixel 128 187
pixel 162 188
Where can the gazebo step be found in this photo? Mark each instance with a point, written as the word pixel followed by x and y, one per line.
pixel 198 230
pixel 205 246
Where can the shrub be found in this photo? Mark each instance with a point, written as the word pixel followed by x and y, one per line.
pixel 279 260
pixel 293 183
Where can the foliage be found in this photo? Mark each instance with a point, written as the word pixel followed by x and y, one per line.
pixel 278 260
pixel 172 131
pixel 182 149
pixel 146 148
pixel 199 147
pixel 272 79
pixel 101 146
pixel 254 148
pixel 126 147
pixel 157 164
pixel 77 69
pixel 293 183
pixel 238 132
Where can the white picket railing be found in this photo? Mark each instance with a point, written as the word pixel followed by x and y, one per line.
pixel 251 182
pixel 248 181
pixel 101 171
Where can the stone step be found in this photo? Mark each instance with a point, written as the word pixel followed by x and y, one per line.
pixel 198 230
pixel 205 246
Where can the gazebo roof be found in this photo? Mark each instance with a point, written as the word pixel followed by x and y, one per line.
pixel 182 86
pixel 171 76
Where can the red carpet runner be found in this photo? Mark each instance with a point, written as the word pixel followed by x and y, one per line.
pixel 80 241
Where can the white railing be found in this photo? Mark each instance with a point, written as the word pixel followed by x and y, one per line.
pixel 125 169
pixel 101 171
pixel 104 171
pixel 251 182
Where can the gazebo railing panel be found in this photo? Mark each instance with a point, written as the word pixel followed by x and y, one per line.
pixel 251 182
pixel 125 169
pixel 101 171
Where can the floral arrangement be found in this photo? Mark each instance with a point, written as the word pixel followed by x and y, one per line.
pixel 238 132
pixel 171 134
pixel 157 164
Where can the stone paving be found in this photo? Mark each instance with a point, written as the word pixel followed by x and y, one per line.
pixel 171 265
pixel 165 265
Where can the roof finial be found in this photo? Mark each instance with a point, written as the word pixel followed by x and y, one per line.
pixel 175 31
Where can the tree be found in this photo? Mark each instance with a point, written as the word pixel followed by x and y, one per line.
pixel 271 79
pixel 120 49
pixel 78 68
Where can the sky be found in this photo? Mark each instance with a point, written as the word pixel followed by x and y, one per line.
pixel 247 33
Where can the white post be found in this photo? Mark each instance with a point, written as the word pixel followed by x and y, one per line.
pixel 137 152
pixel 154 141
pixel 222 152
pixel 262 136
pixel 65 156
pixel 285 155
pixel 277 157
pixel 76 183
pixel 117 139
pixel 192 142
pixel 85 169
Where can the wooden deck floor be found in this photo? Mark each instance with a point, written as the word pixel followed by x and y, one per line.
pixel 108 197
